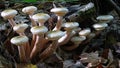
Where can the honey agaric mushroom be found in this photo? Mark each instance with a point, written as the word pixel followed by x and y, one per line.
pixel 100 26
pixel 69 26
pixel 20 28
pixel 76 42
pixel 30 11
pixel 20 41
pixel 39 31
pixel 85 32
pixel 54 36
pixel 41 18
pixel 9 14
pixel 60 12
pixel 105 18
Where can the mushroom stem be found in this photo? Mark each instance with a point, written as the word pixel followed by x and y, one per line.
pixel 22 53
pixel 37 47
pixel 49 51
pixel 12 22
pixel 59 23
pixel 65 38
pixel 33 22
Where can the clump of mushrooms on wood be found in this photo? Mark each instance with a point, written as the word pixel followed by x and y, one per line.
pixel 54 38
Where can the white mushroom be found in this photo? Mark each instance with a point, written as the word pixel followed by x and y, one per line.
pixel 9 14
pixel 30 11
pixel 100 26
pixel 20 41
pixel 53 36
pixel 85 32
pixel 41 18
pixel 76 42
pixel 69 26
pixel 105 18
pixel 39 31
pixel 60 12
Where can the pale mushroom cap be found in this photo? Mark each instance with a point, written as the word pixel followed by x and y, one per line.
pixel 29 9
pixel 9 13
pixel 59 11
pixel 19 40
pixel 78 39
pixel 20 28
pixel 105 18
pixel 85 32
pixel 39 30
pixel 70 25
pixel 100 26
pixel 54 35
pixel 41 17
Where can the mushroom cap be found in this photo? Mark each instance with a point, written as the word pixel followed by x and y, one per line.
pixel 29 9
pixel 100 26
pixel 105 18
pixel 19 40
pixel 55 35
pixel 41 17
pixel 70 25
pixel 78 39
pixel 39 30
pixel 59 11
pixel 85 32
pixel 20 28
pixel 8 13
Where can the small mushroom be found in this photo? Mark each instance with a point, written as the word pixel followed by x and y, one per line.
pixel 53 36
pixel 60 12
pixel 20 41
pixel 105 18
pixel 85 32
pixel 100 26
pixel 69 26
pixel 76 42
pixel 30 11
pixel 20 28
pixel 9 14
pixel 39 31
pixel 41 18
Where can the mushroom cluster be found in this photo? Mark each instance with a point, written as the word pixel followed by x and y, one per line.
pixel 44 42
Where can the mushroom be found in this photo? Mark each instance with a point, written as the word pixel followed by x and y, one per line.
pixel 39 31
pixel 53 36
pixel 99 27
pixel 69 26
pixel 20 28
pixel 30 11
pixel 105 18
pixel 85 32
pixel 20 41
pixel 76 42
pixel 60 12
pixel 41 18
pixel 9 14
